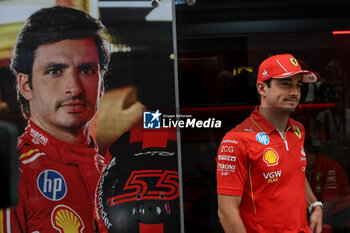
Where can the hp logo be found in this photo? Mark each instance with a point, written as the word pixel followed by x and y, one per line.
pixel 52 185
pixel 263 138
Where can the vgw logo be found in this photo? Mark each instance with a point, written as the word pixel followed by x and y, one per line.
pixel 52 185
pixel 151 120
pixel 273 176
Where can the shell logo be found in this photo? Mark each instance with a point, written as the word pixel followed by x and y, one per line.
pixel 66 220
pixel 270 157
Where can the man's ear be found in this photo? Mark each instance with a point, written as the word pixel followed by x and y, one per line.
pixel 262 88
pixel 24 86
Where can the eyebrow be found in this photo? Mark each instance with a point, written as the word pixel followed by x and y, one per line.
pixel 61 65
pixel 55 65
pixel 88 64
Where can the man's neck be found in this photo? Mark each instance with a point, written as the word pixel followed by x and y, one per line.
pixel 78 136
pixel 276 117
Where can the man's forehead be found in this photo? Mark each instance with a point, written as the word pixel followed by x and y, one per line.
pixel 76 51
pixel 82 41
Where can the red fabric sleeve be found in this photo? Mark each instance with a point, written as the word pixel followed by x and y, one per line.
pixel 232 165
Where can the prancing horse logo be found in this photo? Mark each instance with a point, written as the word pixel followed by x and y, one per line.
pixel 293 61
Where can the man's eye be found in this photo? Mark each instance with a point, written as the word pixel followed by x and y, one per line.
pixel 88 71
pixel 53 72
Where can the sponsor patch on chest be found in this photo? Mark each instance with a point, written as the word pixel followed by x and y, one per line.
pixel 272 177
pixel 262 138
pixel 52 185
pixel 65 219
pixel 270 157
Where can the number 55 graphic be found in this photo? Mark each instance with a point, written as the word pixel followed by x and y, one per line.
pixel 140 186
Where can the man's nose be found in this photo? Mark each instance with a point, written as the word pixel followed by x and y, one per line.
pixel 295 90
pixel 72 83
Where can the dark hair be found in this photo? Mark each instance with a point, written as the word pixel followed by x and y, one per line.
pixel 268 82
pixel 50 25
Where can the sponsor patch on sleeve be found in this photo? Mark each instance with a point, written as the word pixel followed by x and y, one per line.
pixel 226 149
pixel 227 158
pixel 225 168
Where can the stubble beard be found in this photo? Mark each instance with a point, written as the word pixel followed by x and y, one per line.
pixel 72 124
pixel 289 110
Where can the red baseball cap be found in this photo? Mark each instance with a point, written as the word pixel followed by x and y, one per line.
pixel 283 66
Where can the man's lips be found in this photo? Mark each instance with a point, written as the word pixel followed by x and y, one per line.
pixel 74 106
pixel 291 100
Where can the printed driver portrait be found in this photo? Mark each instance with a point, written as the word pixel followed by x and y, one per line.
pixel 60 59
pixel 261 163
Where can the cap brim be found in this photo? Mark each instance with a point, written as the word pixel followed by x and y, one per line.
pixel 308 76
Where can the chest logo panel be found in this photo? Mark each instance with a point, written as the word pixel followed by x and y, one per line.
pixel 52 185
pixel 263 138
pixel 66 220
pixel 272 177
pixel 297 131
pixel 271 157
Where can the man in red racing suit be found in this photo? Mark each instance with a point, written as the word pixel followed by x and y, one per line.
pixel 59 61
pixel 261 163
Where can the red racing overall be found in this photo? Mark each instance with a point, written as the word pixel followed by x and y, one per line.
pixel 56 187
